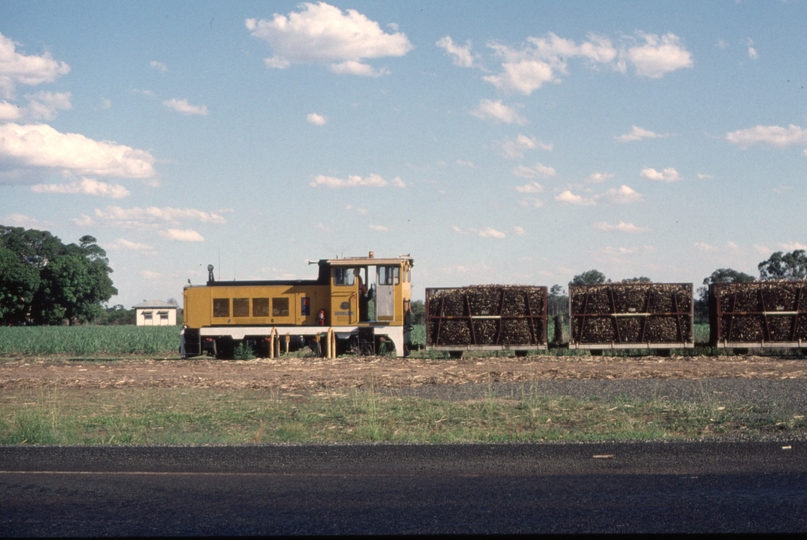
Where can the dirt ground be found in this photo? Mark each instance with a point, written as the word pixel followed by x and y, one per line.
pixel 314 374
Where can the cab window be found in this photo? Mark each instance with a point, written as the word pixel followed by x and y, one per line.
pixel 343 276
pixel 388 275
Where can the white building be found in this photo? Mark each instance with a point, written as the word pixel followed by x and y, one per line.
pixel 155 313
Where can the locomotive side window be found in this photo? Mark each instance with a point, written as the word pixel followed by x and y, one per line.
pixel 343 276
pixel 280 307
pixel 388 275
pixel 260 307
pixel 240 307
pixel 221 307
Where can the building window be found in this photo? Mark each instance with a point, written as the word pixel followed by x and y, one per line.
pixel 221 307
pixel 260 307
pixel 240 307
pixel 147 315
pixel 280 307
pixel 163 316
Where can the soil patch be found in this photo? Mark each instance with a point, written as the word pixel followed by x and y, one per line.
pixel 315 374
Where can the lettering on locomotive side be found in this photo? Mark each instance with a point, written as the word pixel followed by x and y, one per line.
pixel 345 313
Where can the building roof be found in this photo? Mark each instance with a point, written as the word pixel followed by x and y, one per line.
pixel 154 304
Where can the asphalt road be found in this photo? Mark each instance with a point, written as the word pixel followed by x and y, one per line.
pixel 405 489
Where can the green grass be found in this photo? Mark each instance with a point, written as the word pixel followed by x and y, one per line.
pixel 88 340
pixel 209 416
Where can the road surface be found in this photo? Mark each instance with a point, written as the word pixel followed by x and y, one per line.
pixel 405 489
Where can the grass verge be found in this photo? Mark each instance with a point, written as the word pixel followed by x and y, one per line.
pixel 208 416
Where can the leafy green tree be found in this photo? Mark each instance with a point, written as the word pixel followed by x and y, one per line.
pixel 418 308
pixel 789 266
pixel 115 316
pixel 43 281
pixel 721 275
pixel 590 277
pixel 18 285
pixel 641 279
pixel 558 301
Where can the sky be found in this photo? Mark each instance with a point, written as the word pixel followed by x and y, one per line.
pixel 498 142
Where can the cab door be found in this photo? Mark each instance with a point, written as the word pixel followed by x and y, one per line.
pixel 344 297
pixel 387 277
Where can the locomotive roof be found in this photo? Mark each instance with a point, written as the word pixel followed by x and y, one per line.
pixel 360 261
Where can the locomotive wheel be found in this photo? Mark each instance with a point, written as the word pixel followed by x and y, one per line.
pixel 455 354
pixel 521 354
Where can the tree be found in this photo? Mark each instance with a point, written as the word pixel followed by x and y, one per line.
pixel 418 308
pixel 18 285
pixel 43 281
pixel 641 279
pixel 558 301
pixel 790 266
pixel 590 277
pixel 721 275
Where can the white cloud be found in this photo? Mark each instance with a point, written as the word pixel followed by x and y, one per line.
pixel 599 178
pixel 752 52
pixel 487 232
pixel 514 148
pixel 497 112
pixel 622 195
pixel 374 180
pixel 159 66
pixel 17 68
pixel 39 147
pixel 777 136
pixel 21 220
pixel 518 230
pixel 182 235
pixel 541 61
pixel 87 186
pixel 524 76
pixel 321 33
pixel 667 175
pixel 182 106
pixel 530 203
pixel 658 55
pixel 791 246
pixel 316 119
pixel 379 228
pixel 146 218
pixel 356 209
pixel 637 134
pixel 532 187
pixel 461 56
pixel 538 170
pixel 122 244
pixel 620 227
pixel 41 106
pixel 545 60
pixel 704 176
pixel 469 164
pixel 352 67
pixel 490 233
pixel 149 274
pixel 570 198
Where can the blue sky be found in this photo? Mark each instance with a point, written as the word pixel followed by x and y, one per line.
pixel 495 142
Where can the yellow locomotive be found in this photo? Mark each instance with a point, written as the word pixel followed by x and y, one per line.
pixel 359 303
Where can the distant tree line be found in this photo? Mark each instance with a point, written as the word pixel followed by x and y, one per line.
pixel 45 282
